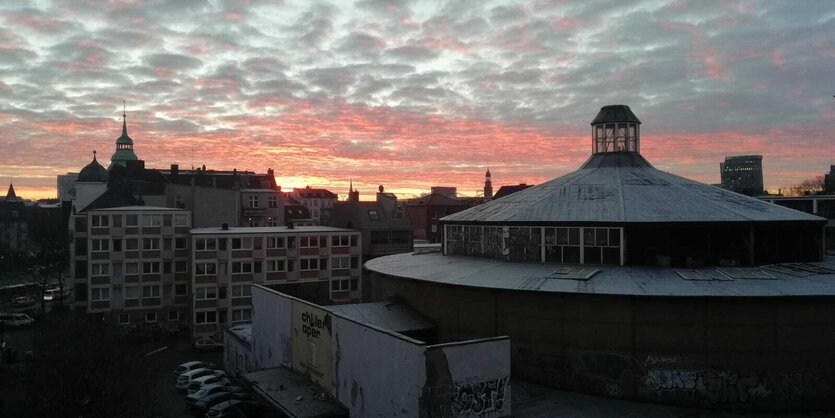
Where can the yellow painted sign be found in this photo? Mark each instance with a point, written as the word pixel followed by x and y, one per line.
pixel 312 344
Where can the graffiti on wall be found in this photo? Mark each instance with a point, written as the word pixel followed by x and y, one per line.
pixel 479 397
pixel 724 387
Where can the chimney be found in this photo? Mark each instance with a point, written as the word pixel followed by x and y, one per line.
pixel 175 169
pixel 224 226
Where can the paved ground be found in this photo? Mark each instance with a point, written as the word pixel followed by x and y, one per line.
pixel 533 401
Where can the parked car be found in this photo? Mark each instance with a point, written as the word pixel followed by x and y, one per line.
pixel 234 408
pixel 22 301
pixel 200 407
pixel 185 379
pixel 203 343
pixel 192 365
pixel 211 390
pixel 16 319
pixel 56 294
pixel 198 383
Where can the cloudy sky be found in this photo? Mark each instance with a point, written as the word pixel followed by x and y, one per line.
pixel 411 94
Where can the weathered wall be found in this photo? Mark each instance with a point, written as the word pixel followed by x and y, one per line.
pixel 741 353
pixel 237 355
pixel 467 379
pixel 376 373
pixel 271 318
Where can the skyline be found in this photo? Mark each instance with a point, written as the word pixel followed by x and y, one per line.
pixel 412 94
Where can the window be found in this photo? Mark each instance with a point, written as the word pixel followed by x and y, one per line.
pixel 180 219
pixel 562 245
pixel 151 317
pixel 150 291
pixel 150 243
pixel 272 221
pixel 99 245
pixel 241 291
pixel 117 220
pixel 275 242
pixel 253 222
pixel 241 267
pixel 151 220
pixel 100 293
pixel 173 315
pixel 131 220
pixel 373 215
pixel 180 243
pixel 601 246
pixel 209 317
pixel 308 242
pixel 205 269
pixel 124 319
pixel 239 315
pixel 340 241
pixel 275 265
pixel 272 201
pixel 201 293
pixel 253 202
pixel 131 244
pixel 166 220
pixel 341 285
pixel 99 269
pixel 117 245
pixel 338 263
pixel 309 264
pixel 181 266
pixel 100 221
pixel 131 268
pixel 180 289
pixel 131 292
pixel 205 244
pixel 241 243
pixel 150 267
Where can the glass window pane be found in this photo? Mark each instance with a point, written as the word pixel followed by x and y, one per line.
pixel 614 237
pixel 588 236
pixel 574 236
pixel 601 237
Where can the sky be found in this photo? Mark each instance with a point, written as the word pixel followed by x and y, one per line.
pixel 412 94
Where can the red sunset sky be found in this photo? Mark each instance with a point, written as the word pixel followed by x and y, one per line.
pixel 411 94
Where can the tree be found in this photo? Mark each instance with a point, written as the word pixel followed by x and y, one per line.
pixel 808 186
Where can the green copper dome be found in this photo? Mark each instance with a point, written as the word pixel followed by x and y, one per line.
pixel 124 147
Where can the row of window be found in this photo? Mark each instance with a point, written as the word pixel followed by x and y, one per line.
pixel 271 266
pixel 257 243
pixel 103 221
pixel 135 292
pixel 150 317
pixel 219 292
pixel 211 317
pixel 571 245
pixel 133 244
pixel 255 202
pixel 131 268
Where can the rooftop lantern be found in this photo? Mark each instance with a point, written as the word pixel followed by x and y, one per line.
pixel 615 129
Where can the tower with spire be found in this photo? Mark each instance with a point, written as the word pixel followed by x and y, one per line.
pixel 488 186
pixel 124 145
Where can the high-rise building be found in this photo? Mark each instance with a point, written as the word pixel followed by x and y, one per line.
pixel 743 174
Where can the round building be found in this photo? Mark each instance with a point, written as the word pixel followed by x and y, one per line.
pixel 622 280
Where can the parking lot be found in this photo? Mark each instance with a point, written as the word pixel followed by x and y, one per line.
pixel 171 402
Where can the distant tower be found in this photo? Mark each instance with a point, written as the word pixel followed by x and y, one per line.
pixel 615 129
pixel 488 186
pixel 11 195
pixel 353 195
pixel 124 146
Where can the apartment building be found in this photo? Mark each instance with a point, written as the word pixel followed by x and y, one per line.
pixel 317 263
pixel 130 265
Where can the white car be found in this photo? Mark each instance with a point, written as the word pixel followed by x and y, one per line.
pixel 201 382
pixel 16 319
pixel 192 365
pixel 185 379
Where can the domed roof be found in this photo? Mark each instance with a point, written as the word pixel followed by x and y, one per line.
pixel 93 172
pixel 615 113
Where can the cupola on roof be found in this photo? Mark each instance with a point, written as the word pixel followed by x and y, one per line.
pixel 124 147
pixel 93 172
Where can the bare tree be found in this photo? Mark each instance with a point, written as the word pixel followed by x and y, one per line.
pixel 808 186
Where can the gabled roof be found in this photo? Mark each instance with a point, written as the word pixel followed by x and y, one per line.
pixel 309 192
pixel 624 188
pixel 112 198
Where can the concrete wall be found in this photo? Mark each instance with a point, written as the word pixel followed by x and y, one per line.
pixel 379 373
pixel 741 353
pixel 237 355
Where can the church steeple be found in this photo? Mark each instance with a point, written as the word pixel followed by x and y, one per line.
pixel 11 195
pixel 124 144
pixel 488 185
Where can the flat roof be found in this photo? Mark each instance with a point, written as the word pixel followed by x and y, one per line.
pixel 137 208
pixel 293 394
pixel 388 315
pixel 268 230
pixel 790 279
